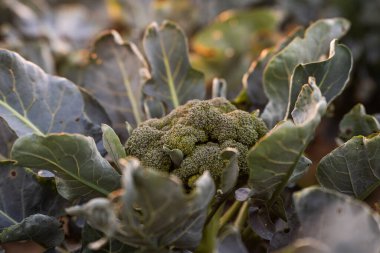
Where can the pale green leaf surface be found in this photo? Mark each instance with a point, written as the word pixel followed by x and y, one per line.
pixel 79 168
pixel 168 214
pixel 331 75
pixel 32 101
pixel 341 223
pixel 353 168
pixel 357 122
pixel 275 157
pixel 173 80
pixel 278 72
pixel 112 76
pixel 113 145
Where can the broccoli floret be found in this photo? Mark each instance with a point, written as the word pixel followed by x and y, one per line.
pixel 201 130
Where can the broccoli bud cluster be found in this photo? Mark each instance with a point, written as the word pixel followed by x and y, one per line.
pixel 200 130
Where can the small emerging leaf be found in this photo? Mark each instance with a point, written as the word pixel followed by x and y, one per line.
pixel 113 145
pixel 231 170
pixel 357 122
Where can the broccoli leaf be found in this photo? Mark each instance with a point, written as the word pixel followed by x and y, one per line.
pixel 274 157
pixel 230 241
pixel 148 210
pixel 44 230
pixel 331 75
pixel 159 198
pixel 338 221
pixel 32 101
pixel 172 81
pixel 278 72
pixel 353 168
pixel 23 194
pixel 114 246
pixel 307 245
pixel 112 76
pixel 7 137
pixel 79 168
pixel 357 122
pixel 113 145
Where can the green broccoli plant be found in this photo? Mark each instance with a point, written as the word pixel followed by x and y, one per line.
pixel 190 139
pixel 174 186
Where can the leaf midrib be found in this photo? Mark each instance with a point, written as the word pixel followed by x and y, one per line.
pixel 21 118
pixel 85 182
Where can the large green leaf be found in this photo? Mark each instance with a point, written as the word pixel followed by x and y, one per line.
pixel 331 75
pixel 112 76
pixel 278 72
pixel 23 194
pixel 32 101
pixel 159 198
pixel 153 212
pixel 274 158
pixel 341 223
pixel 173 80
pixel 357 122
pixel 79 168
pixel 44 230
pixel 353 168
pixel 7 137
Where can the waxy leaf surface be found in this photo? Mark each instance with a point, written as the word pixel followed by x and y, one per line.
pixel 357 122
pixel 275 157
pixel 112 76
pixel 32 101
pixel 168 214
pixel 278 72
pixel 341 223
pixel 173 80
pixel 353 168
pixel 79 168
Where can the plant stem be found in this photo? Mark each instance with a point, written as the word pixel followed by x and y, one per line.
pixel 242 216
pixel 230 213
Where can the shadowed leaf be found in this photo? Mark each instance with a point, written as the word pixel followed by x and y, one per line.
pixel 23 194
pixel 173 80
pixel 44 230
pixel 32 101
pixel 112 76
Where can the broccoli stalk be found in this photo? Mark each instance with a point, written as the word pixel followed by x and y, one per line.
pixel 190 139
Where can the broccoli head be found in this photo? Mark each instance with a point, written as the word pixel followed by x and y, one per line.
pixel 199 131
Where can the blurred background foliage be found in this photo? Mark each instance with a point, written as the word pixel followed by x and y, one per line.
pixel 229 39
